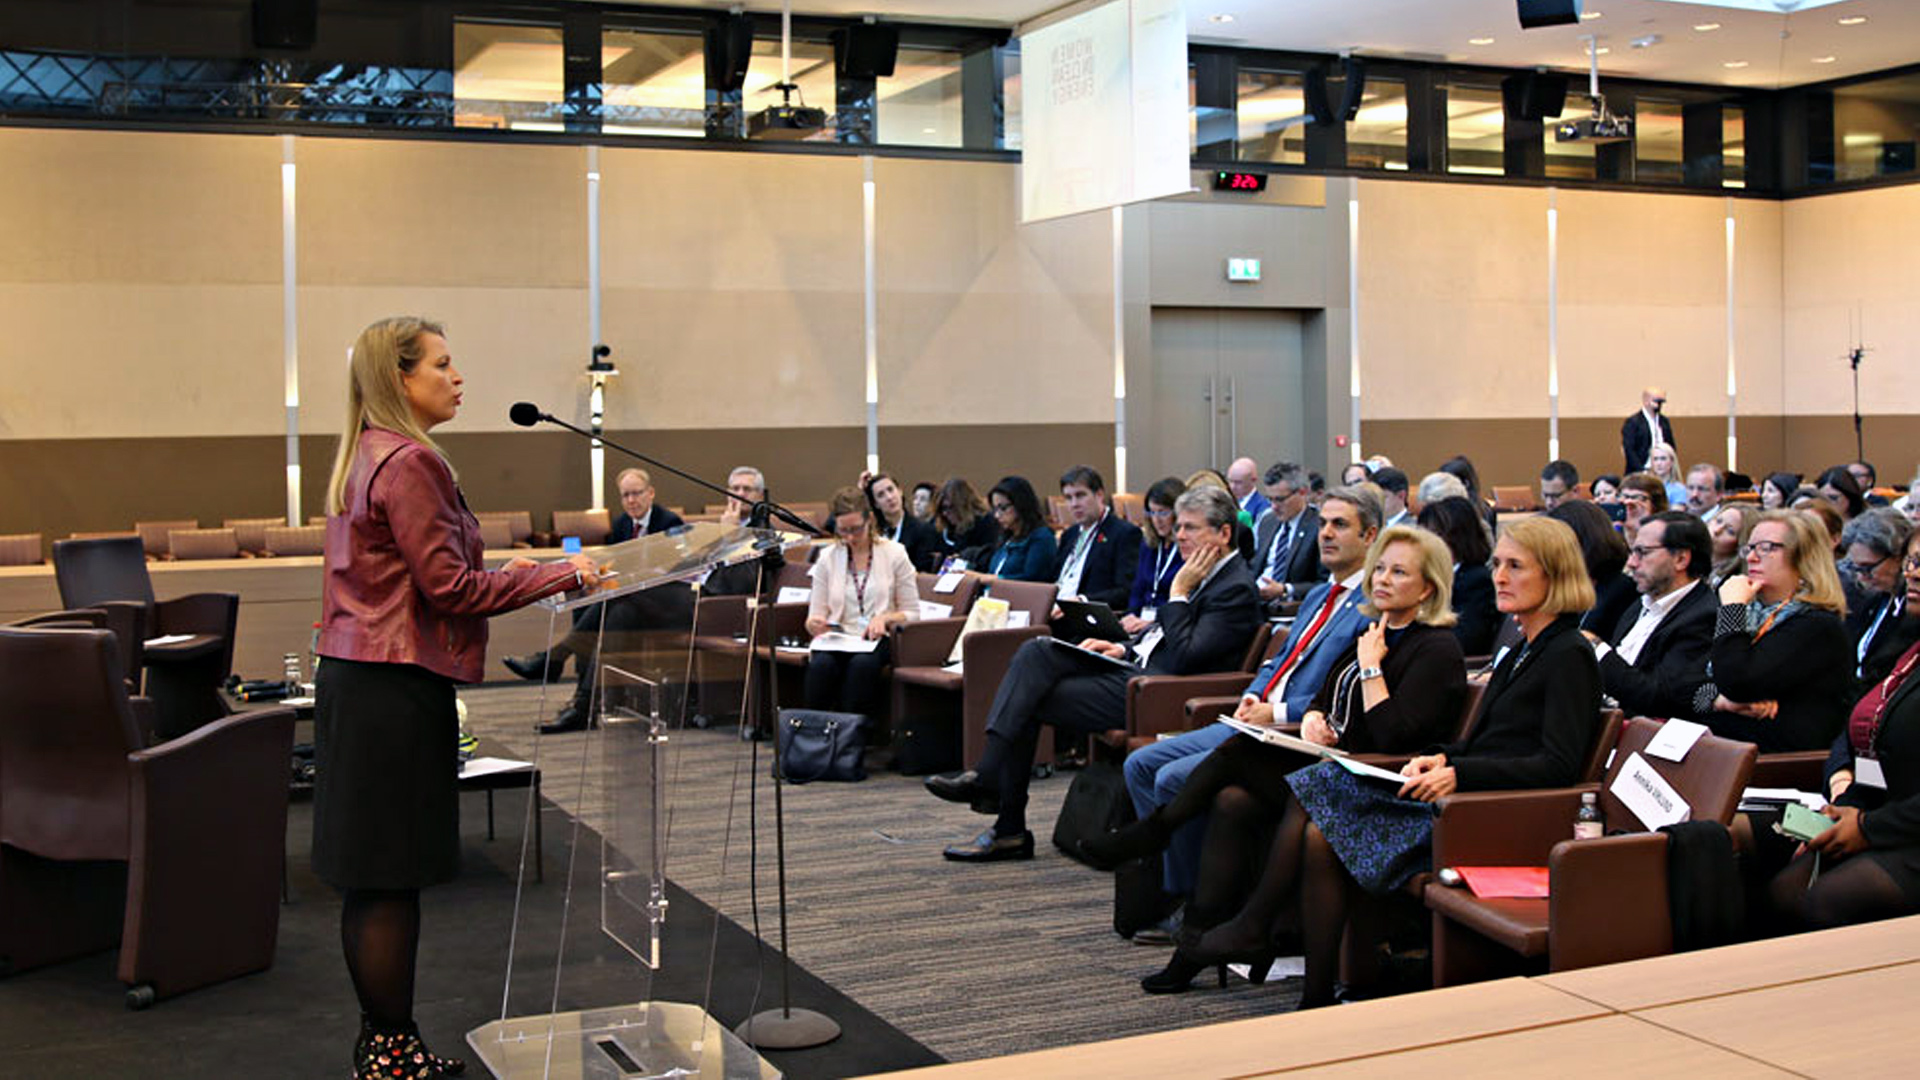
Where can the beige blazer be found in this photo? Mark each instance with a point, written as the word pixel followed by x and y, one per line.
pixel 891 580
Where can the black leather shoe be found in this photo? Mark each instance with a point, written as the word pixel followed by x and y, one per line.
pixel 571 718
pixel 540 667
pixel 990 848
pixel 965 787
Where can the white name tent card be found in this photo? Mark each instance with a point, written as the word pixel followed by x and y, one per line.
pixel 931 610
pixel 1642 789
pixel 1675 738
pixel 794 594
pixel 949 581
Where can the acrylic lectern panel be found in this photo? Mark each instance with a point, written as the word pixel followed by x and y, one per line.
pixel 683 553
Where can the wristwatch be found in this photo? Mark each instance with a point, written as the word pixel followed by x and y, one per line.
pixel 1370 673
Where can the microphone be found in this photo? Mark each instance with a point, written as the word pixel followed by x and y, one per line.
pixel 526 414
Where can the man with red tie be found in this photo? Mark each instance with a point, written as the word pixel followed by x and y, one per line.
pixel 1329 621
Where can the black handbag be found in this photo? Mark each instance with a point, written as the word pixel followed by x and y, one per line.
pixel 1096 803
pixel 817 745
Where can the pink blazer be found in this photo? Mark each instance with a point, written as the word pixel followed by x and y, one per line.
pixel 891 570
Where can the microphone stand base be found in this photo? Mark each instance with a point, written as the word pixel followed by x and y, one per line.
pixel 787 1029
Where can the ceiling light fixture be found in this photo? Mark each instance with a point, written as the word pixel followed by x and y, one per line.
pixel 1646 42
pixel 1480 41
pixel 1852 20
pixel 1223 17
pixel 1706 26
pixel 1589 16
pixel 1734 64
pixel 1825 59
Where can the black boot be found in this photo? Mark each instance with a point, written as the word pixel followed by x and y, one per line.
pixel 382 1054
pixel 1134 840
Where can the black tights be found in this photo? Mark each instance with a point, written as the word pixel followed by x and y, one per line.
pixel 1856 890
pixel 380 934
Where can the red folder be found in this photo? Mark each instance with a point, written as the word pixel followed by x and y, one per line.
pixel 1506 882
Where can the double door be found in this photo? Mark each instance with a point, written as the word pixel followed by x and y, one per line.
pixel 1228 383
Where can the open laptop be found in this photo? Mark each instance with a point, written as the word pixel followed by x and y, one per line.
pixel 1082 619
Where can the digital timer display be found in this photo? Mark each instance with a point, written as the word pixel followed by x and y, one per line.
pixel 1239 181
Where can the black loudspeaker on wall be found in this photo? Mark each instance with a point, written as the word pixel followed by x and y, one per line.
pixel 1534 95
pixel 729 41
pixel 866 50
pixel 1319 98
pixel 285 24
pixel 1537 13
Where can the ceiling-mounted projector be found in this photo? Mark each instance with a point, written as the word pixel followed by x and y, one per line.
pixel 1600 125
pixel 786 122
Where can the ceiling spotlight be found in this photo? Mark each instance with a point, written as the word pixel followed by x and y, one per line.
pixel 1825 59
pixel 1852 20
pixel 1706 26
pixel 1647 42
pixel 1223 17
pixel 1589 16
pixel 1602 50
pixel 1480 41
pixel 1734 64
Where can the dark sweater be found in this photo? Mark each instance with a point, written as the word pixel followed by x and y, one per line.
pixel 1479 620
pixel 1804 662
pixel 1426 684
pixel 1539 717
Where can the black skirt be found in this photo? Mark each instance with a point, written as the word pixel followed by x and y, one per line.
pixel 386 807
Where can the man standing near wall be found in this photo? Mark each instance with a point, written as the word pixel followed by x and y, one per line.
pixel 1644 428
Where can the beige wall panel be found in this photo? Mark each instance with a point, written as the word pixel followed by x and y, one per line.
pixel 118 360
pixel 420 212
pixel 1850 263
pixel 1758 251
pixel 1192 242
pixel 509 344
pixel 101 206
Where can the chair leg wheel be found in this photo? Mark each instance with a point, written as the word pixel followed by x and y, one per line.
pixel 140 997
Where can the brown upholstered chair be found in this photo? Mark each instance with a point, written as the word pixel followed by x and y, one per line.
pixel 519 527
pixel 153 534
pixel 251 533
pixel 1608 899
pixel 720 646
pixel 125 619
pixel 1131 508
pixel 296 539
pixel 1514 499
pixel 1157 704
pixel 21 549
pixel 174 851
pixel 203 544
pixel 591 526
pixel 495 534
pixel 926 691
pixel 1804 770
pixel 182 677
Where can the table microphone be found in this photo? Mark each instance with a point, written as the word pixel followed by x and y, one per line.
pixel 526 414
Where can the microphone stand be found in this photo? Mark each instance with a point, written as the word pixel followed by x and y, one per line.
pixel 1859 437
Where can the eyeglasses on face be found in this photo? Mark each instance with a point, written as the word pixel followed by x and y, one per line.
pixel 1762 548
pixel 1910 563
pixel 1159 513
pixel 1641 551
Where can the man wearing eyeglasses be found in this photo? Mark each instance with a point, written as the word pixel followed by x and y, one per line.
pixel 1657 657
pixel 1645 428
pixel 1871 577
pixel 1285 539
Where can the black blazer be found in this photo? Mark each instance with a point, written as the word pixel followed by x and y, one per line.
pixel 1111 561
pixel 1303 563
pixel 659 519
pixel 1479 619
pixel 974 545
pixel 1636 442
pixel 920 540
pixel 1539 717
pixel 1211 629
pixel 1673 663
pixel 1426 684
pixel 1804 663
pixel 1892 817
pixel 1612 599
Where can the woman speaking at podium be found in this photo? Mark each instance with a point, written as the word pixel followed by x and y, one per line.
pixel 403 618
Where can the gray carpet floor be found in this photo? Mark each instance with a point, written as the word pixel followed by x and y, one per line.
pixel 973 961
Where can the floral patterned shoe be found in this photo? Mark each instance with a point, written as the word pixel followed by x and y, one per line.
pixel 399 1055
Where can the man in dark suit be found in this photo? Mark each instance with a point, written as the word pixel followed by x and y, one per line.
pixel 1646 427
pixel 1657 656
pixel 1211 614
pixel 1098 555
pixel 1286 550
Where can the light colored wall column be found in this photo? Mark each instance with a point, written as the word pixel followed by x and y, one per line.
pixel 290 325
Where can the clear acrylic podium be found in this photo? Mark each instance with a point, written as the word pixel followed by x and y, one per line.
pixel 637 632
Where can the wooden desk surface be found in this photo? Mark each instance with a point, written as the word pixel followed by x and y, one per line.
pixel 1845 1025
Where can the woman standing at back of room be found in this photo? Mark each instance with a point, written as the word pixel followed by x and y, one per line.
pixel 404 606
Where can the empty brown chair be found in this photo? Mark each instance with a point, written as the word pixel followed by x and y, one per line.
pixel 519 525
pixel 203 544
pixel 1132 508
pixel 296 540
pixel 175 852
pixel 591 526
pixel 926 691
pixel 251 533
pixel 1513 498
pixel 495 534
pixel 153 535
pixel 21 549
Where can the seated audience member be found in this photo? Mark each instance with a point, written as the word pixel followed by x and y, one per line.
pixel 1866 478
pixel 1706 485
pixel 1641 496
pixel 1243 523
pixel 894 523
pixel 1026 551
pixel 746 486
pixel 1355 473
pixel 1871 578
pixel 1461 466
pixel 1477 619
pixel 1393 491
pixel 1100 551
pixel 1210 616
pixel 1397 688
pixel 1316 488
pixel 1243 480
pixel 1782 669
pixel 1605 489
pixel 1159 556
pixel 1281 691
pixel 1830 519
pixel 1776 491
pixel 863 586
pixel 1286 551
pixel 1841 492
pixel 639 516
pixel 1655 658
pixel 1664 466
pixel 1606 557
pixel 1729 530
pixel 924 494
pixel 1909 504
pixel 1557 483
pixel 1342 834
pixel 966 530
pixel 1867 866
pixel 1442 485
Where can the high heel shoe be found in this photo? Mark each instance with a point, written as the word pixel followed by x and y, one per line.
pixel 385 1055
pixel 1135 840
pixel 1177 976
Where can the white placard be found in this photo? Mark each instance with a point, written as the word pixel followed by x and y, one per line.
pixel 931 610
pixel 1641 789
pixel 1019 620
pixel 949 581
pixel 1675 738
pixel 794 594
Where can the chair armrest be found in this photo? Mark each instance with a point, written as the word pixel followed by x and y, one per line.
pixel 925 643
pixel 986 654
pixel 788 620
pixel 1802 769
pixel 199 613
pixel 1503 828
pixel 143 718
pixel 1202 711
pixel 1608 901
pixel 1156 704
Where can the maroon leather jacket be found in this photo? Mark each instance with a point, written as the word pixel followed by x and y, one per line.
pixel 405 582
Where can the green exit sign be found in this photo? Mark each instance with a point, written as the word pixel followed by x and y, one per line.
pixel 1243 269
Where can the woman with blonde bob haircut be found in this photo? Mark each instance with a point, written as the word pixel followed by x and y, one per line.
pixel 1780 670
pixel 404 604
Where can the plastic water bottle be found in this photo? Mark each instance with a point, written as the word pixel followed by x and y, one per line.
pixel 1587 824
pixel 293 672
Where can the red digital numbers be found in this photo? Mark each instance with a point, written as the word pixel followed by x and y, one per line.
pixel 1239 181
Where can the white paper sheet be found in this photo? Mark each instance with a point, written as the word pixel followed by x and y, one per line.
pixel 166 639
pixel 487 766
pixel 835 641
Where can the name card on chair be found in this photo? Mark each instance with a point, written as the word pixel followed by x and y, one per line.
pixel 931 610
pixel 794 594
pixel 1641 789
pixel 1676 737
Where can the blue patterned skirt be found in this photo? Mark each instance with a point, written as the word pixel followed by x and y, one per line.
pixel 1383 840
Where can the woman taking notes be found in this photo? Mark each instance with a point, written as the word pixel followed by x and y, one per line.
pixel 403 618
pixel 862 586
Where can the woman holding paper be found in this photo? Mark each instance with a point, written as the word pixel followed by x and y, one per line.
pixel 862 586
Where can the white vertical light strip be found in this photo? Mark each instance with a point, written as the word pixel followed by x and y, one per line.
pixel 596 452
pixel 872 313
pixel 1733 386
pixel 1119 353
pixel 1553 325
pixel 290 327
pixel 1353 315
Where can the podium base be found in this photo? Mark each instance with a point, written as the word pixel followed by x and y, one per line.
pixel 649 1041
pixel 788 1029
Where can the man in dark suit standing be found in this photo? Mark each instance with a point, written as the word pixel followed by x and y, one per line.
pixel 1646 427
pixel 1657 656
pixel 1286 548
pixel 1098 555
pixel 1211 614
